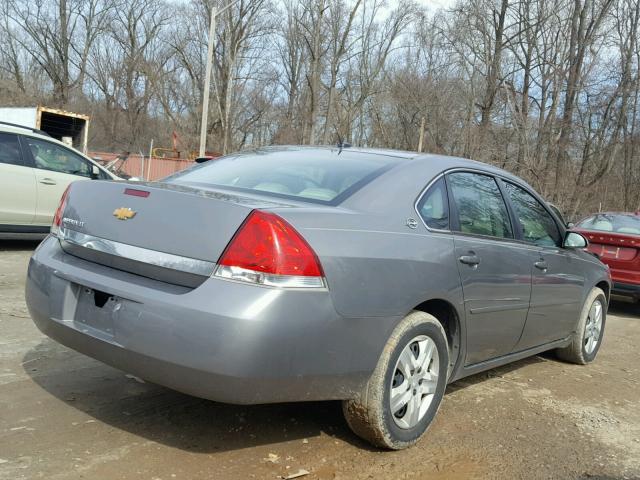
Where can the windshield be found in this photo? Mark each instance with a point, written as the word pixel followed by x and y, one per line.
pixel 321 176
pixel 615 223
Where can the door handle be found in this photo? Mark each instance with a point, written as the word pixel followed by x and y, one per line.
pixel 471 260
pixel 541 265
pixel 48 181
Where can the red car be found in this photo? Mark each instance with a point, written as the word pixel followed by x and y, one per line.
pixel 615 238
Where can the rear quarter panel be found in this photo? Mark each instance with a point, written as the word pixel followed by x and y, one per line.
pixel 378 273
pixel 375 265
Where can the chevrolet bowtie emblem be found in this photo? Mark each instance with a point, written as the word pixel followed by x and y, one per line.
pixel 124 213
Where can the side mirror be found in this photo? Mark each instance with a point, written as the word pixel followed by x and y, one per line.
pixel 95 172
pixel 574 240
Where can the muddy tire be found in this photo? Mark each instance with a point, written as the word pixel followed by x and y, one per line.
pixel 404 392
pixel 587 338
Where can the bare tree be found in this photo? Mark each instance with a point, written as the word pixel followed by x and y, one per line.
pixel 549 89
pixel 58 35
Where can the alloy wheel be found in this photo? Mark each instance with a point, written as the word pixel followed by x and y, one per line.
pixel 414 382
pixel 593 327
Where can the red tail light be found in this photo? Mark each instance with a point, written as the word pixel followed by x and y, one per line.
pixel 57 218
pixel 267 250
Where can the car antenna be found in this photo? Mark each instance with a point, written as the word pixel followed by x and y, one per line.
pixel 341 144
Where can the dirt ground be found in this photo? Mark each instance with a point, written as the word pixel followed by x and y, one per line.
pixel 64 416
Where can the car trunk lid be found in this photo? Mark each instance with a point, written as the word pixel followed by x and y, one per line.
pixel 173 233
pixel 620 251
pixel 613 245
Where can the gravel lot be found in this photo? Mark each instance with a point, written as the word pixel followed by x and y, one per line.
pixel 63 416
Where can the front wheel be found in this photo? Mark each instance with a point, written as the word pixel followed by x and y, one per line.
pixel 589 332
pixel 405 390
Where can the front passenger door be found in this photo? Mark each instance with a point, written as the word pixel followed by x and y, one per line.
pixel 56 167
pixel 495 271
pixel 557 274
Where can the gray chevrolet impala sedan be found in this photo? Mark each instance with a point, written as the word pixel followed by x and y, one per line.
pixel 289 274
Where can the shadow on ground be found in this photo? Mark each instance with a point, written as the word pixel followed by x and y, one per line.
pixel 172 418
pixel 624 308
pixel 18 245
pixel 188 423
pixel 499 372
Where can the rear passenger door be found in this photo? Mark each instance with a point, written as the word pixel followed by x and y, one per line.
pixel 17 184
pixel 495 270
pixel 557 283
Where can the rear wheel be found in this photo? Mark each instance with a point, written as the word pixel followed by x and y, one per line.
pixel 589 332
pixel 405 390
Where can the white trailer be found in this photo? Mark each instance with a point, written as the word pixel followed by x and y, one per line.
pixel 68 127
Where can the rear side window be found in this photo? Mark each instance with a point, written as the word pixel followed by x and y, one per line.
pixel 321 177
pixel 434 207
pixel 10 149
pixel 479 204
pixel 538 227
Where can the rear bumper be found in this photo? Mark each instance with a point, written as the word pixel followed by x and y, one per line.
pixel 626 290
pixel 224 341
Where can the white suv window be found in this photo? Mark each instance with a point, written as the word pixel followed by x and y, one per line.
pixel 10 149
pixel 49 156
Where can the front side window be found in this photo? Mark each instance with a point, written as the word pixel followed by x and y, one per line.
pixel 481 208
pixel 538 227
pixel 434 207
pixel 10 149
pixel 49 156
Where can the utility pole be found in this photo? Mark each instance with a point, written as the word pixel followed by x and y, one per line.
pixel 207 77
pixel 421 138
pixel 207 83
pixel 150 157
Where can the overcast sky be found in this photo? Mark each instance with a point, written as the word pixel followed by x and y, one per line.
pixel 435 4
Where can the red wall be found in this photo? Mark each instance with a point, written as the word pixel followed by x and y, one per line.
pixel 159 167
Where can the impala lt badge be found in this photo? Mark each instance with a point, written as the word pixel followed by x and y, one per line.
pixel 123 213
pixel 72 221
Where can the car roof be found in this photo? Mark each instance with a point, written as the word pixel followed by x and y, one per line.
pixel 406 158
pixel 419 162
pixel 415 157
pixel 330 149
pixel 29 132
pixel 412 170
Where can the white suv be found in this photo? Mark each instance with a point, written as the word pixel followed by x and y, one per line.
pixel 35 170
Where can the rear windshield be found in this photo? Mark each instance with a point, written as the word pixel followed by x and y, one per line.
pixel 316 176
pixel 605 222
